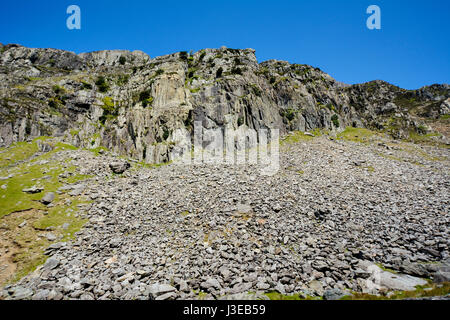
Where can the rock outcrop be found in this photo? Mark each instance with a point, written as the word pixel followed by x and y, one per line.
pixel 132 104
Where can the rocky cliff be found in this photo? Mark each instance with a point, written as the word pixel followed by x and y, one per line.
pixel 131 104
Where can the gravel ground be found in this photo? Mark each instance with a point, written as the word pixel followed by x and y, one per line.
pixel 227 232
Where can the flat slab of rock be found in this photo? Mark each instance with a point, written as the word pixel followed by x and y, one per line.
pixel 160 289
pixel 51 263
pixel 400 281
pixel 21 293
pixel 394 281
pixel 33 189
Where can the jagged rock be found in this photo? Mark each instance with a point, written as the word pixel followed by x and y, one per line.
pixel 51 263
pixel 139 105
pixel 119 167
pixel 48 198
pixel 441 276
pixel 317 287
pixel 245 230
pixel 210 283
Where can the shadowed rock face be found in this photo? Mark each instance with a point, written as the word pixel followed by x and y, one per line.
pixel 129 103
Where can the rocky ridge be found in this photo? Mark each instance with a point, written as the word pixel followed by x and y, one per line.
pixel 131 104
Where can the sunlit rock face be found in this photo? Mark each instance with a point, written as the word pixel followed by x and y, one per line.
pixel 132 104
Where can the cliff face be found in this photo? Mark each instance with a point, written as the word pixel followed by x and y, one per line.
pixel 129 103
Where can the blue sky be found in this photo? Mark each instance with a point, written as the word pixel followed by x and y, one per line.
pixel 411 50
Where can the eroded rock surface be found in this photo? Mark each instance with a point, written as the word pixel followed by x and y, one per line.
pixel 132 104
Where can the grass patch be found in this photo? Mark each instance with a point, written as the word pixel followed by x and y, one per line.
pixel 200 294
pixel 31 243
pixel 16 206
pixel 41 171
pixel 420 292
pixel 426 139
pixel 59 215
pixel 296 137
pixel 99 150
pixel 379 265
pixel 359 135
pixel 185 213
pixel 74 132
pixel 278 296
pixel 18 151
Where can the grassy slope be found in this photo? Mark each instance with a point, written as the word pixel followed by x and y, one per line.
pixel 29 168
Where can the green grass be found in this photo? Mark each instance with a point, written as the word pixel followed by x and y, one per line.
pixel 16 206
pixel 32 246
pixel 61 214
pixel 420 292
pixel 200 294
pixel 32 173
pixel 379 265
pixel 360 135
pixel 296 137
pixel 98 150
pixel 425 138
pixel 74 132
pixel 27 264
pixel 18 151
pixel 278 296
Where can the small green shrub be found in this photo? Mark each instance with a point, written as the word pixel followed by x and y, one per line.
pixel 289 114
pixel 85 85
pixel 123 79
pixel 54 103
pixel 191 72
pixel 331 107
pixel 166 134
pixel 58 89
pixel 335 120
pixel 145 98
pixel 122 60
pixel 102 84
pixel 109 110
pixel 108 105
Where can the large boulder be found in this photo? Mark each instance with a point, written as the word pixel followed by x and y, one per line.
pixel 119 166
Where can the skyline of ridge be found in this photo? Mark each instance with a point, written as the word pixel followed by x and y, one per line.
pixel 410 50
